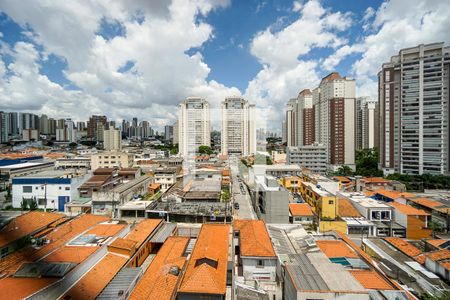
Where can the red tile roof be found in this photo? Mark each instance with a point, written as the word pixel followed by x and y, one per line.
pixel 346 209
pixel 436 242
pixel 300 209
pixel 106 230
pixel 19 288
pixel 254 240
pixel 371 280
pixel 404 246
pixel 426 202
pixel 158 282
pixel 408 210
pixel 26 224
pixel 336 248
pixel 206 272
pixel 73 254
pixel 94 281
pixel 439 255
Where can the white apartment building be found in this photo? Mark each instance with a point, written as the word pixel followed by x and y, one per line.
pixel 112 139
pixel 312 157
pixel 291 123
pixel 238 136
pixel 67 132
pixel 334 108
pixel 414 111
pixel 194 126
pixel 367 125
pixel 304 119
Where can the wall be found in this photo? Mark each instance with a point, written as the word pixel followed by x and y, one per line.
pixel 252 271
pixel 340 226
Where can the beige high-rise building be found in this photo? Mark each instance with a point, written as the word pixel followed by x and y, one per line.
pixel 112 139
pixel 305 119
pixel 238 136
pixel 290 122
pixel 194 126
pixel 414 111
pixel 334 109
pixel 367 125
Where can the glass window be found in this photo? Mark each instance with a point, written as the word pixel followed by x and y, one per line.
pixel 27 189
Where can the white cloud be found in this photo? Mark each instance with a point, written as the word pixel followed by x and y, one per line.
pixel 285 72
pixel 157 36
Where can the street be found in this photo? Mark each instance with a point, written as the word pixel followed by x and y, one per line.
pixel 245 210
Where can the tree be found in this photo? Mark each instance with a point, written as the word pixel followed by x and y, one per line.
pixel 344 171
pixel 24 204
pixel 33 204
pixel 225 195
pixel 367 163
pixel 73 145
pixel 205 150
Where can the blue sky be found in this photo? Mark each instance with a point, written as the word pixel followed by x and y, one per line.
pixel 141 58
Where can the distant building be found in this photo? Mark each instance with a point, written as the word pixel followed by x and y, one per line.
pixel 30 135
pixel 93 124
pixel 194 126
pixel 305 123
pixel 111 159
pixel 312 157
pixel 238 136
pixel 270 200
pixel 168 133
pixel 414 111
pixel 112 139
pixel 367 124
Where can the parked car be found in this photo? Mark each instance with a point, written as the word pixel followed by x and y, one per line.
pixel 236 205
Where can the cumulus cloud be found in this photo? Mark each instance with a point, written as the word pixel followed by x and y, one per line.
pixel 156 37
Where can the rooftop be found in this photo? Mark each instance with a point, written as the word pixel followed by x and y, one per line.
pixel 254 240
pixel 336 248
pixel 160 279
pixel 371 280
pixel 393 194
pixel 404 246
pixel 71 254
pixel 426 202
pixel 375 180
pixel 26 224
pixel 408 210
pixel 346 209
pixel 143 230
pixel 206 272
pixel 300 209
pixel 439 255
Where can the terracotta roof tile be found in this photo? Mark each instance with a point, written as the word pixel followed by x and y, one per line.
pixel 420 259
pixel 439 255
pixel 26 224
pixel 73 254
pixel 446 264
pixel 426 202
pixel 254 239
pixel 106 230
pixel 394 194
pixel 123 244
pixel 19 288
pixel 94 281
pixel 371 280
pixel 404 246
pixel 335 248
pixel 206 272
pixel 436 242
pixel 408 209
pixel 300 209
pixel 143 230
pixel 157 282
pixel 375 180
pixel 346 209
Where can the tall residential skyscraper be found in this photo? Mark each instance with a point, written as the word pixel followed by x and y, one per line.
pixel 194 127
pixel 414 111
pixel 175 133
pixel 238 136
pixel 92 125
pixel 43 124
pixel 305 119
pixel 4 127
pixel 367 125
pixel 291 123
pixel 334 108
pixel 112 139
pixel 168 132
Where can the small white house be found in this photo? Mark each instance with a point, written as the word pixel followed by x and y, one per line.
pixel 57 187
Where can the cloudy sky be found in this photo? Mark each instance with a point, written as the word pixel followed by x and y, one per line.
pixel 126 58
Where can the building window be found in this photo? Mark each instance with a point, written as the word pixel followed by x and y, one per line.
pixel 330 201
pixel 27 189
pixel 67 188
pixel 260 263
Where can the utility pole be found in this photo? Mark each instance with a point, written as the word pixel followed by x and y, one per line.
pixel 45 197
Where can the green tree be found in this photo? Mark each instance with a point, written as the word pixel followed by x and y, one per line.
pixel 367 163
pixel 205 150
pixel 24 204
pixel 73 145
pixel 225 195
pixel 344 171
pixel 33 204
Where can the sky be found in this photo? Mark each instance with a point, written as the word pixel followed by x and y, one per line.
pixel 140 58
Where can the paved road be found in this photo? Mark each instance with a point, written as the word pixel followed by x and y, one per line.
pixel 245 210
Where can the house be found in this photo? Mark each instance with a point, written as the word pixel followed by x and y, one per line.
pixel 414 220
pixel 256 256
pixel 301 213
pixel 205 276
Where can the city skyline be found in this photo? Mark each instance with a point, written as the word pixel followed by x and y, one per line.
pixel 285 47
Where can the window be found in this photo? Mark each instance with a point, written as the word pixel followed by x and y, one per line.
pixel 330 201
pixel 41 201
pixel 67 188
pixel 260 263
pixel 27 189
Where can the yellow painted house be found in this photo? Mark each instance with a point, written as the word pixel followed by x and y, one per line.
pixel 291 183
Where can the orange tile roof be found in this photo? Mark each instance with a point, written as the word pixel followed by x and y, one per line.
pixel 404 246
pixel 106 230
pixel 143 230
pixel 154 186
pixel 446 264
pixel 420 259
pixel 157 282
pixel 369 193
pixel 371 280
pixel 58 237
pixel 426 202
pixel 26 224
pixel 439 255
pixel 346 209
pixel 408 209
pixel 254 240
pixel 123 244
pixel 206 272
pixel 94 281
pixel 394 194
pixel 73 254
pixel 436 242
pixel 335 248
pixel 342 179
pixel 300 209
pixel 19 288
pixel 375 180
